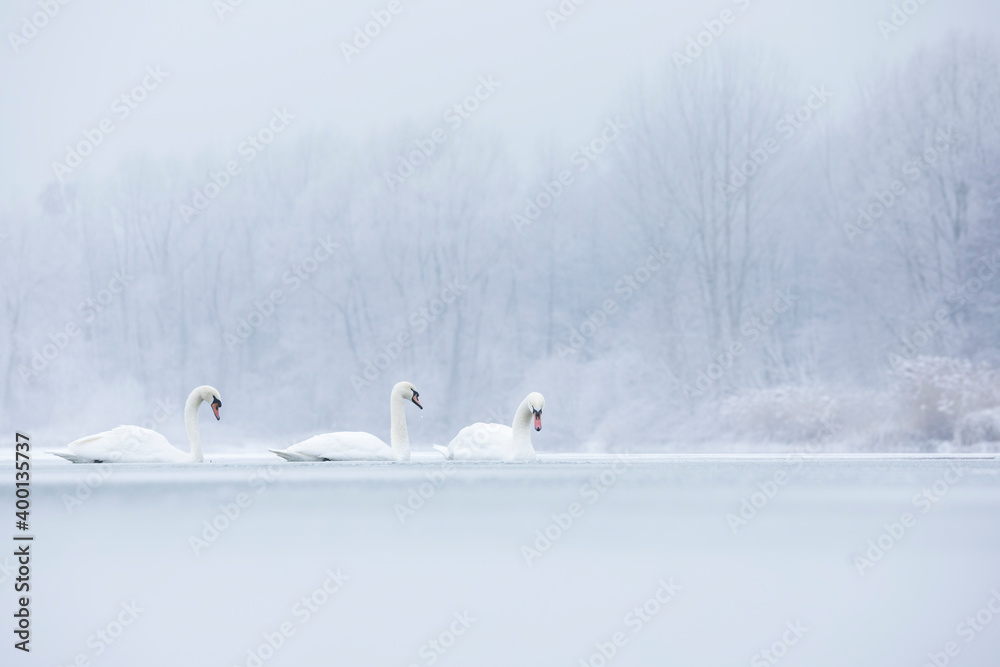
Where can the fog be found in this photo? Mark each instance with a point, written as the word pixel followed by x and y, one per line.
pixel 787 233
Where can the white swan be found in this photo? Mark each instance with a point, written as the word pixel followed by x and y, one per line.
pixel 134 444
pixel 496 442
pixel 359 446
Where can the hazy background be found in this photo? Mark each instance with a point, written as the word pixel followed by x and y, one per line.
pixel 841 363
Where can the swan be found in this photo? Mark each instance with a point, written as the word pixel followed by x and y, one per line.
pixel 358 446
pixel 496 442
pixel 134 444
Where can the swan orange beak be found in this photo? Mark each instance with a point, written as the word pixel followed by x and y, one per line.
pixel 216 404
pixel 416 402
pixel 538 421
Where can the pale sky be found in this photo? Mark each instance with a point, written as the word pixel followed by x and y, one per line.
pixel 226 76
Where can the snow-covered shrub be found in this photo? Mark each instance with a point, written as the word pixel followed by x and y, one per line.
pixel 887 435
pixel 783 414
pixel 979 426
pixel 934 394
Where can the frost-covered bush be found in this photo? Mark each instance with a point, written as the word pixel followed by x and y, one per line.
pixel 930 402
pixel 980 426
pixel 783 414
pixel 935 394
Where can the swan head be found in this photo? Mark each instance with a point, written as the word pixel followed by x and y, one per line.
pixel 407 392
pixel 211 396
pixel 535 403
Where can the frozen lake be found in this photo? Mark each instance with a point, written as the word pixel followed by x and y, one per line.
pixel 837 560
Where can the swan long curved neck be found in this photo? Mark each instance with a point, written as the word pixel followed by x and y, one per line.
pixel 522 431
pixel 399 440
pixel 194 402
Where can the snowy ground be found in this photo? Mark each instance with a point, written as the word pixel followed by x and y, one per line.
pixel 127 535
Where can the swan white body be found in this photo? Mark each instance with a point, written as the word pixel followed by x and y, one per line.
pixel 496 442
pixel 357 445
pixel 134 444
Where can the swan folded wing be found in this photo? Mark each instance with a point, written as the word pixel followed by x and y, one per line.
pixel 126 444
pixel 483 441
pixel 344 446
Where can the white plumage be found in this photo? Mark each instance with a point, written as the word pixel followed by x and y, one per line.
pixel 123 444
pixel 340 446
pixel 496 442
pixel 357 445
pixel 134 444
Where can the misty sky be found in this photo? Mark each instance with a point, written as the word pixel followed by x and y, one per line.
pixel 226 76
